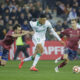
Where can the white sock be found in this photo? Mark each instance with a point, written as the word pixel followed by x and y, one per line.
pixel 37 57
pixel 28 59
pixel 58 59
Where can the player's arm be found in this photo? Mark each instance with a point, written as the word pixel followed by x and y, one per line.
pixel 31 25
pixel 55 34
pixel 64 34
pixel 28 32
pixel 53 31
pixel 20 34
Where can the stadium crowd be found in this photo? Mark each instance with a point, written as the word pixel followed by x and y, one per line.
pixel 58 12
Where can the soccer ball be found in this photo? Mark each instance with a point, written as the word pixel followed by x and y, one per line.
pixel 76 69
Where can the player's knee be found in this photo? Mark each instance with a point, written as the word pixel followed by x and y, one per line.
pixel 3 63
pixel 66 60
pixel 0 58
pixel 39 48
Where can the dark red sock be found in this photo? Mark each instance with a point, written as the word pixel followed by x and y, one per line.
pixel 62 58
pixel 62 64
pixel 0 63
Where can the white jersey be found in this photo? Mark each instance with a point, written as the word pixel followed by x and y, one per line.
pixel 78 26
pixel 40 31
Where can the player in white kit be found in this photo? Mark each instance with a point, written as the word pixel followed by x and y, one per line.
pixel 39 27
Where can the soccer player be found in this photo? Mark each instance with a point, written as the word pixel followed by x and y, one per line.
pixel 61 57
pixel 6 43
pixel 73 36
pixel 39 27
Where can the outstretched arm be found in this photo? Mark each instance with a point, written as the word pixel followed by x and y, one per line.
pixel 55 34
pixel 20 34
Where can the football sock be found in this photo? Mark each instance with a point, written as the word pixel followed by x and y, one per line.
pixel 37 57
pixel 58 59
pixel 0 63
pixel 28 59
pixel 62 64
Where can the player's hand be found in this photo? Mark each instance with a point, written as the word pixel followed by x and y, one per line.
pixel 65 37
pixel 32 32
pixel 62 42
pixel 27 32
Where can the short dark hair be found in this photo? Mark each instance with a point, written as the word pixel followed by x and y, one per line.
pixel 42 15
pixel 16 26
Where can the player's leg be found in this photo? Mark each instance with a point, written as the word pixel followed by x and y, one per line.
pixel 24 50
pixel 39 51
pixel 17 52
pixel 59 59
pixel 65 60
pixel 26 59
pixel 3 62
pixel 0 59
pixel 1 52
pixel 4 57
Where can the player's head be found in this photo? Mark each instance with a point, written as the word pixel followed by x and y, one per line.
pixel 73 22
pixel 17 28
pixel 42 18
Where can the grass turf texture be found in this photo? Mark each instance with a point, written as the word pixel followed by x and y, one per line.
pixel 46 71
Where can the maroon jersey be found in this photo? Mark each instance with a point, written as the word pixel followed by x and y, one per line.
pixel 8 40
pixel 73 37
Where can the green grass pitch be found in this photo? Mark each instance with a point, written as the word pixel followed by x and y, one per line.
pixel 46 71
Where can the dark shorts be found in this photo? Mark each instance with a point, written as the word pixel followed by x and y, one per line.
pixel 4 53
pixel 71 53
pixel 1 50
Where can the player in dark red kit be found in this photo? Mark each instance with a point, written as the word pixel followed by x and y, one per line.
pixel 73 36
pixel 6 43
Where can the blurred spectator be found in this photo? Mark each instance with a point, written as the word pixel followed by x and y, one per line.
pixel 65 25
pixel 34 12
pixel 58 28
pixel 54 12
pixel 72 14
pixel 1 17
pixel 25 25
pixel 60 8
pixel 21 18
pixel 11 6
pixel 18 12
pixel 16 22
pixel 3 29
pixel 29 16
pixel 2 7
pixel 7 11
pixel 6 19
pixel 78 13
pixel 48 13
pixel 22 11
pixel 13 13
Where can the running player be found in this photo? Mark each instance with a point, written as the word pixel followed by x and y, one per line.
pixel 73 36
pixel 6 43
pixel 39 27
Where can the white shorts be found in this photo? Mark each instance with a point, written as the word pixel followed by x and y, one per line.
pixel 38 40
